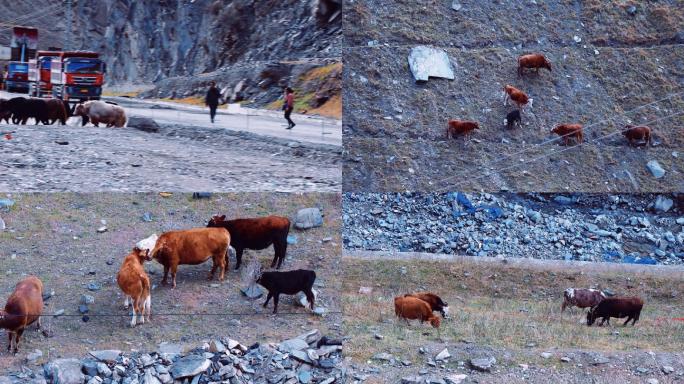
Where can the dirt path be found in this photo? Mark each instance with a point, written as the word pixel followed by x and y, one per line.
pixel 54 237
pixel 178 158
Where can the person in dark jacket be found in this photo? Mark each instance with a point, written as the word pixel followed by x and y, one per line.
pixel 289 106
pixel 212 99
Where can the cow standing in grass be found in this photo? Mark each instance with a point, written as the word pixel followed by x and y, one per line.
pixel 23 308
pixel 581 298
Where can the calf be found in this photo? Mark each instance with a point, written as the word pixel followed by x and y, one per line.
pixel 192 246
pixel 411 308
pixel 101 112
pixel 642 134
pixel 460 127
pixel 581 298
pixel 135 284
pixel 566 131
pixel 256 233
pixel 55 111
pixel 619 307
pixel 436 303
pixel 532 61
pixel 23 308
pixel 513 119
pixel 519 97
pixel 289 283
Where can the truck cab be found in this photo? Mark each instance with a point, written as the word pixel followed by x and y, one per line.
pixel 17 77
pixel 39 73
pixel 77 76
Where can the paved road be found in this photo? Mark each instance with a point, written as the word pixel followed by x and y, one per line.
pixel 312 129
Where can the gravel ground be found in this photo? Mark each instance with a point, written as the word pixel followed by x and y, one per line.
pixel 55 237
pixel 177 158
pixel 586 227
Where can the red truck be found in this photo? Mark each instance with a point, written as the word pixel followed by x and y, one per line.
pixel 39 73
pixel 77 75
pixel 23 45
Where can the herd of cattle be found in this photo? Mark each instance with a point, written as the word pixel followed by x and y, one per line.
pixel 420 306
pixel 634 134
pixel 49 111
pixel 171 249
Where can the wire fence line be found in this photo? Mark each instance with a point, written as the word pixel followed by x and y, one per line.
pixel 233 314
pixel 488 173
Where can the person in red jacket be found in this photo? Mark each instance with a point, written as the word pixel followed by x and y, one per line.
pixel 289 106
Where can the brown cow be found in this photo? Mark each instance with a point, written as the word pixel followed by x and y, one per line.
pixel 532 61
pixel 256 233
pixel 436 303
pixel 135 284
pixel 566 131
pixel 23 308
pixel 460 127
pixel 192 246
pixel 519 97
pixel 411 308
pixel 618 307
pixel 641 133
pixel 56 111
pixel 581 298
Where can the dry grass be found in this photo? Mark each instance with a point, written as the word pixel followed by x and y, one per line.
pixel 501 306
pixel 322 73
pixel 120 94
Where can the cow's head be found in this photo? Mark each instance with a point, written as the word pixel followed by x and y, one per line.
pixel 216 221
pixel 142 254
pixel 547 64
pixel 445 310
pixel 591 316
pixel 80 110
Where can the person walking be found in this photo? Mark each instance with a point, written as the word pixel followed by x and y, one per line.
pixel 289 106
pixel 212 99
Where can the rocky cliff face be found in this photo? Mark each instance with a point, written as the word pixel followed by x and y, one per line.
pixel 152 40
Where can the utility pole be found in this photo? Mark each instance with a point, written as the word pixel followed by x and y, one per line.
pixel 67 27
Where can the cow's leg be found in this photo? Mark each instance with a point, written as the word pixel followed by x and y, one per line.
pixel 563 308
pixel 10 337
pixel 126 301
pixel 173 275
pixel 238 257
pixel 213 269
pixel 268 298
pixel 141 309
pixel 627 321
pixel 148 307
pixel 280 248
pixel 276 296
pixel 17 336
pixel 133 308
pixel 221 260
pixel 166 274
pixel 310 297
pixel 38 323
pixel 636 317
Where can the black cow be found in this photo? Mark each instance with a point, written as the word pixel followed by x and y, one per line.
pixel 618 307
pixel 289 283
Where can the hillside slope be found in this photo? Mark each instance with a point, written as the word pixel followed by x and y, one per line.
pixel 608 60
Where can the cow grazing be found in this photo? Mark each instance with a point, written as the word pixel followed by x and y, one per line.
pixel 618 307
pixel 512 119
pixel 639 134
pixel 413 308
pixel 55 112
pixel 566 131
pixel 460 127
pixel 289 283
pixel 581 298
pixel 517 96
pixel 135 284
pixel 101 112
pixel 532 61
pixel 436 303
pixel 192 246
pixel 256 233
pixel 23 308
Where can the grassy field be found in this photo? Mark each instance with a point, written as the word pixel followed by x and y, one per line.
pixel 54 236
pixel 502 306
